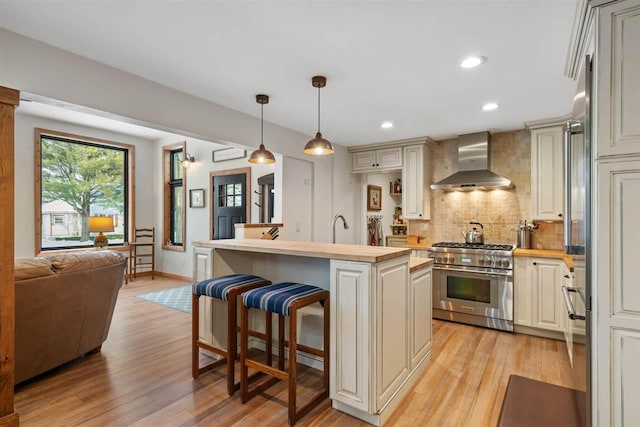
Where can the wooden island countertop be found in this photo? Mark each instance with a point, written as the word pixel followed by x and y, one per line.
pixel 338 251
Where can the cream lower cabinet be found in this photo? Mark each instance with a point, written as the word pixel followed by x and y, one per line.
pixel 381 316
pixel 420 315
pixel 538 300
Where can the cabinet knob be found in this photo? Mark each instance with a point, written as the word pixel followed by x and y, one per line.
pixel 535 263
pixel 419 214
pixel 566 276
pixel 560 215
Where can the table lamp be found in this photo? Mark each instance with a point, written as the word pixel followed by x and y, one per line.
pixel 99 224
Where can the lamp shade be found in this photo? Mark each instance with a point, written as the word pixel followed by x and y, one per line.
pixel 262 155
pixel 319 146
pixel 100 224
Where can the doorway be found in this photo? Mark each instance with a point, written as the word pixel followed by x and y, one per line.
pixel 229 201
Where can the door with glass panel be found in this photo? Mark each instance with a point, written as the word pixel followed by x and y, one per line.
pixel 229 202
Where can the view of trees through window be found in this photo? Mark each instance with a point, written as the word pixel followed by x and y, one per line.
pixel 81 179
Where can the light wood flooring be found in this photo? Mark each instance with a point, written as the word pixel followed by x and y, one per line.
pixel 142 377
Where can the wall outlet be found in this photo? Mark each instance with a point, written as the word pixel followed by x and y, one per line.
pixel 297 227
pixel 424 226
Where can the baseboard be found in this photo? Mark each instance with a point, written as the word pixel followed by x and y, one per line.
pixel 173 276
pixel 543 333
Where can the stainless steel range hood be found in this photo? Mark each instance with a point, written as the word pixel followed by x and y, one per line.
pixel 473 166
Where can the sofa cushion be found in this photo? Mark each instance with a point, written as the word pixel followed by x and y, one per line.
pixel 29 268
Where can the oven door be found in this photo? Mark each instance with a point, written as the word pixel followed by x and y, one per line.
pixel 477 293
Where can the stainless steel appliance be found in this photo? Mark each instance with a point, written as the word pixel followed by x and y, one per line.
pixel 577 242
pixel 473 283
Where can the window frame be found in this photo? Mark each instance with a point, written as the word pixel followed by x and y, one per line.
pixel 130 206
pixel 167 202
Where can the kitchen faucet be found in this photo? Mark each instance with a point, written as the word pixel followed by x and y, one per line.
pixel 344 222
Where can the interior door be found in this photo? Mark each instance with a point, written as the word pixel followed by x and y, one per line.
pixel 229 203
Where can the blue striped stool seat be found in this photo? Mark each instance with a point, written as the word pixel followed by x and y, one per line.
pixel 277 298
pixel 219 287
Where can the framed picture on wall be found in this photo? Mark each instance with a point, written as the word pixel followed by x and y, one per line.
pixel 374 198
pixel 196 198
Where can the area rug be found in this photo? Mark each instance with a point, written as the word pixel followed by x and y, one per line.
pixel 176 298
pixel 531 403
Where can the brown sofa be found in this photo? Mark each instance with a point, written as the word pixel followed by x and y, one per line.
pixel 64 305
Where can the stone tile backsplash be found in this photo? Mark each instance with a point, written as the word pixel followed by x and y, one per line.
pixel 498 210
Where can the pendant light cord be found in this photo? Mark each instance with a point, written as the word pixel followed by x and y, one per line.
pixel 261 124
pixel 318 108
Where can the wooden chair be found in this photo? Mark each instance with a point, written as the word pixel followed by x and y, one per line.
pixel 284 299
pixel 142 252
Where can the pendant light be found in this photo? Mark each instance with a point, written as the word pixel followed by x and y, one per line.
pixel 262 155
pixel 319 146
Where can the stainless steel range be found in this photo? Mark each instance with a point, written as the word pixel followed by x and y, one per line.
pixel 473 283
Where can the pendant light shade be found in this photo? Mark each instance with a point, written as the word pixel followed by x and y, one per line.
pixel 262 155
pixel 319 146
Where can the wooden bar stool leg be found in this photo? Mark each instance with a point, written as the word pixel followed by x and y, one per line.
pixel 244 343
pixel 195 335
pixel 232 344
pixel 281 342
pixel 269 340
pixel 293 344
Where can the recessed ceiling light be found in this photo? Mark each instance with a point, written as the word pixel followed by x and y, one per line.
pixel 386 125
pixel 490 106
pixel 472 61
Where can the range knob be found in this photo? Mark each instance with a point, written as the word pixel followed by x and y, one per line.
pixel 505 263
pixel 451 260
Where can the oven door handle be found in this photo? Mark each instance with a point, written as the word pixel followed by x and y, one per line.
pixel 469 270
pixel 567 302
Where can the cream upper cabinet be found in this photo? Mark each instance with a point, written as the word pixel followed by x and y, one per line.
pixel 415 176
pixel 538 300
pixel 547 173
pixel 618 80
pixel 374 160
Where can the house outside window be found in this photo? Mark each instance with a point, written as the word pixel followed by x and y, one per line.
pixel 78 177
pixel 174 197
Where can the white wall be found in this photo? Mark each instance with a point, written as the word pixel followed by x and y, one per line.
pixel 25 173
pixel 116 94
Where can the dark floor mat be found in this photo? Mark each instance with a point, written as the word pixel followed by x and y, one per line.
pixel 531 403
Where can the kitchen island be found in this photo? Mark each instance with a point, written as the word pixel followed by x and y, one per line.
pixel 380 329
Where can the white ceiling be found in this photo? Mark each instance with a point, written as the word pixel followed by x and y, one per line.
pixel 384 60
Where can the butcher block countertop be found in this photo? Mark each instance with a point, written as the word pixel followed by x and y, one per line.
pixel 545 253
pixel 416 263
pixel 339 251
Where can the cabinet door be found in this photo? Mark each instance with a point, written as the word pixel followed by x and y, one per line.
pixel 415 194
pixel 420 315
pixel 363 161
pixel 618 84
pixel 522 298
pixel 349 353
pixel 548 303
pixel 616 297
pixel 392 328
pixel 389 158
pixel 547 173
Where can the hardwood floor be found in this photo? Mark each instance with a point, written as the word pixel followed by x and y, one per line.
pixel 142 377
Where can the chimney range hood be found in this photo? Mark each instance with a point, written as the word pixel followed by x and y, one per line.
pixel 473 166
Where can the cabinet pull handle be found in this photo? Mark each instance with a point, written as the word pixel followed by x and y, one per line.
pixel 566 276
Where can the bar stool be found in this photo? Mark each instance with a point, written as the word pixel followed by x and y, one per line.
pixel 284 299
pixel 225 288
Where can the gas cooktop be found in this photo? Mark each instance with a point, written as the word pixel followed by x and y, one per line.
pixel 487 247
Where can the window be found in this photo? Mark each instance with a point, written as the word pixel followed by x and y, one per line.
pixel 78 177
pixel 174 197
pixel 230 195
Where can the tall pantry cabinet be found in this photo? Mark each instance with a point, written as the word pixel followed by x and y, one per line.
pixel 615 44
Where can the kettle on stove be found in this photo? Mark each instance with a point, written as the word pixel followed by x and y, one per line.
pixel 474 236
